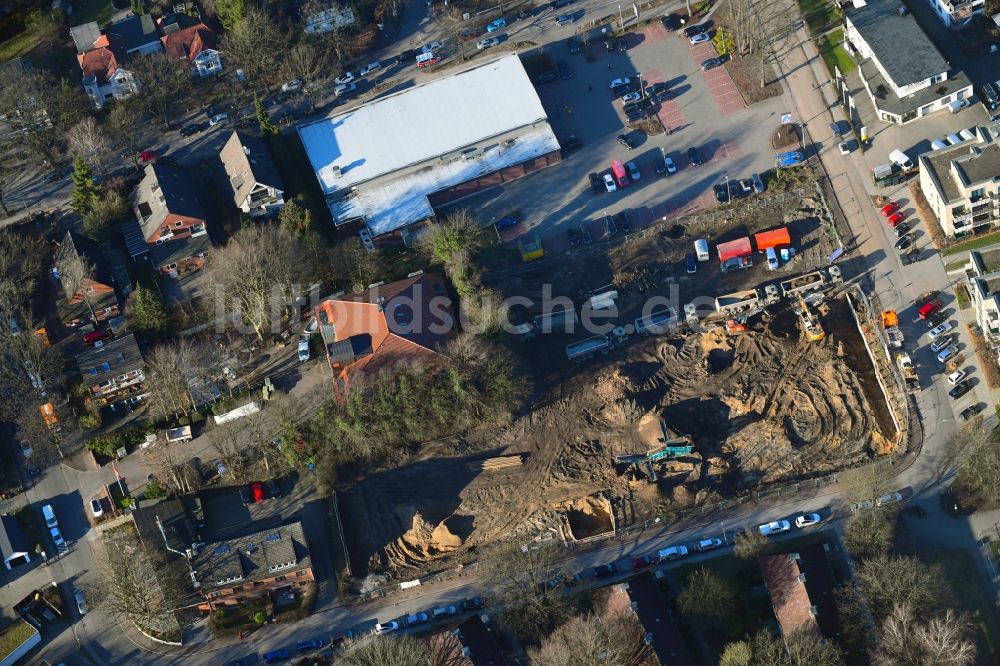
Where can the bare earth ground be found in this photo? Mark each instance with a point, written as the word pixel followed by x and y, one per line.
pixel 745 69
pixel 760 407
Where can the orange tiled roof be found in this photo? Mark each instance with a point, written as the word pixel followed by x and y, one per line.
pixel 100 62
pixel 188 43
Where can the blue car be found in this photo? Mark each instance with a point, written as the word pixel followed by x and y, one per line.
pixel 506 222
pixel 497 24
pixel 790 159
pixel 309 646
pixel 277 656
pixel 692 264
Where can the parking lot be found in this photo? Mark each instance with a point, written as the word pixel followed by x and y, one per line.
pixel 706 112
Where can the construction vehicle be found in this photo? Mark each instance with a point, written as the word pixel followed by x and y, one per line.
pixel 909 372
pixel 803 283
pixel 810 322
pixel 653 456
pixel 890 323
pixel 736 325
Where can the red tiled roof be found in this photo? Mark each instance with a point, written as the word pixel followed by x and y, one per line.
pixel 400 318
pixel 100 62
pixel 188 43
pixel 789 596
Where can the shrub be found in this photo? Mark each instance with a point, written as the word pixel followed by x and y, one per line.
pixel 259 617
pixel 88 422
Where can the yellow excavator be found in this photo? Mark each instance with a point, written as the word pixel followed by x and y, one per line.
pixel 810 322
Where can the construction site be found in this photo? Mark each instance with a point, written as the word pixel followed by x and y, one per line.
pixel 747 377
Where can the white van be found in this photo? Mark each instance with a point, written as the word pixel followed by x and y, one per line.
pixel 967 134
pixel 937 144
pixel 954 139
pixel 772 258
pixel 701 249
pixel 50 516
pixel 900 158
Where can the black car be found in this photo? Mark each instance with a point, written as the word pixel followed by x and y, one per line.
pixel 570 142
pixel 623 222
pixel 585 236
pixel 545 77
pixel 574 237
pixel 475 603
pixel 622 44
pixel 609 225
pixel 937 319
pixel 693 30
pixel 574 45
pixel 556 4
pixel 902 243
pixel 712 63
pixel 970 411
pixel 721 195
pixel 564 71
pixel 671 22
pixel 656 88
pixel 246 495
pixel 960 389
pixel 695 157
pixel 634 115
pixel 605 571
pixel 191 130
pixel 901 228
pixel 596 184
pixel 273 489
pixel 624 140
pixel 407 57
pixel 52 177
pixel 310 645
pixel 736 191
pixel 910 257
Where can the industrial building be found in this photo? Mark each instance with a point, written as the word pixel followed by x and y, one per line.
pixel 386 165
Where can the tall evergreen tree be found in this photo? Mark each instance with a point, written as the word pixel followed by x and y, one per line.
pixel 267 126
pixel 85 191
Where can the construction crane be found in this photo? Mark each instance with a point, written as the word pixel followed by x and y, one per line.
pixel 814 329
pixel 653 456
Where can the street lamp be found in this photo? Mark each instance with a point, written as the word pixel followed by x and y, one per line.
pixel 638 75
pixel 621 18
pixel 729 194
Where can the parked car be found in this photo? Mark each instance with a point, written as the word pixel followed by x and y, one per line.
pixel 940 344
pixel 369 68
pixel 891 498
pixel 864 505
pixel 596 184
pixel 970 411
pixel 574 45
pixel 610 226
pixel 721 193
pixel 631 97
pixel 273 489
pixel 902 242
pixel 570 142
pixel 605 571
pixel 775 527
pixel 844 147
pixel 671 22
pixel 690 262
pixel 496 24
pixel 694 157
pixel 565 73
pixel 670 166
pixel 416 618
pixel 709 544
pixel 957 376
pixel 622 220
pixel 574 236
pixel 758 184
pixel 939 330
pixel 53 176
pixel 807 520
pixel 673 553
pixel 26 449
pixel 896 218
pixel 693 30
pixel 700 37
pixel 443 611
pixel 192 129
pixel 643 561
pixel 81 602
pixel 619 83
pixel 218 119
pixel 565 19
pixel 277 656
pixel 507 221
pixel 386 627
pixel 57 537
pixel 291 86
pixel 49 514
pixel 900 228
pixel 346 77
pixel 344 89
pixel 303 349
pixel 257 488
pixel 960 389
pixel 309 645
pixel 96 508
pixel 633 171
pixel 246 495
pixel 609 183
pixel 487 43
pixel 626 141
pixel 712 63
pixel 889 208
pixel 947 354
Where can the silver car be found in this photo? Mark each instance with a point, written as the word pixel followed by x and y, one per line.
pixel 775 527
pixel 948 354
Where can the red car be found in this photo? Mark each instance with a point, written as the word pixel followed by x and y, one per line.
pixel 890 208
pixel 643 562
pixel 929 308
pixel 258 492
pixel 896 218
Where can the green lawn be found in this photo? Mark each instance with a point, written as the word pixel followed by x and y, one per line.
pixel 820 15
pixel 18 45
pixel 833 53
pixel 972 596
pixel 974 244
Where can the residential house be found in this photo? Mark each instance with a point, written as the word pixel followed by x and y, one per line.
pixel 801 587
pixel 172 524
pixel 962 183
pixel 138 35
pixel 88 291
pixel 983 284
pixel 170 227
pixel 662 633
pixel 238 569
pixel 957 13
pixel 101 58
pixel 112 370
pixel 256 184
pixel 195 45
pixel 13 545
pixel 387 323
pixel 472 643
pixel 904 73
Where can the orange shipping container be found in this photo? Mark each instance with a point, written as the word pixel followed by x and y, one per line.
pixel 772 238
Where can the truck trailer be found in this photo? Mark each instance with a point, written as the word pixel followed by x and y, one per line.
pixel 802 283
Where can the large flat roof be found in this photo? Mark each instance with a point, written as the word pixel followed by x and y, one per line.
pixel 901 46
pixel 422 123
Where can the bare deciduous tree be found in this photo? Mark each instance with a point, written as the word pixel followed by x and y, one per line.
pixel 89 141
pixel 254 276
pixel 750 544
pixel 304 62
pixel 170 393
pixel 163 80
pixel 171 462
pixel 253 45
pixel 944 639
pixel 616 639
pixel 126 124
pixel 870 533
pixel 372 650
pixel 864 483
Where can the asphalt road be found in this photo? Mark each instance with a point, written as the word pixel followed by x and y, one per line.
pixel 897 286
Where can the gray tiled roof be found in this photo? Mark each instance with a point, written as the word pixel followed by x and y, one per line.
pixel 85 35
pixel 898 42
pixel 976 163
pixel 248 162
pixel 111 359
pixel 135 31
pixel 178 196
pixel 256 556
pixel 181 248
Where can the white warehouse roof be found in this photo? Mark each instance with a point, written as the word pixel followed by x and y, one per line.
pixel 411 127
